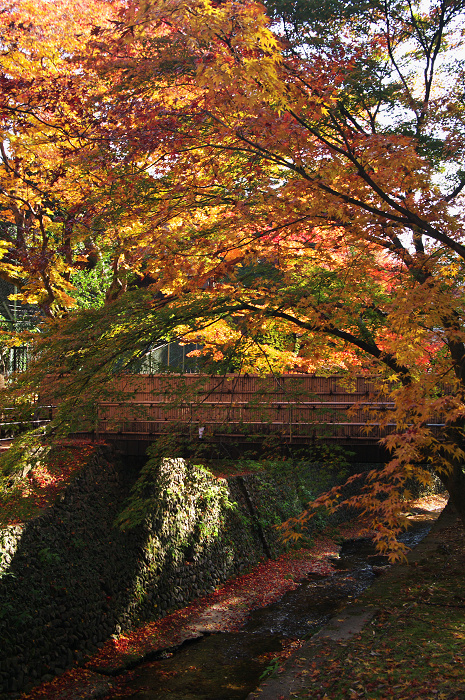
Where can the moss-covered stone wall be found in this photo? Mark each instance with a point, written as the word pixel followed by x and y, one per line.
pixel 70 577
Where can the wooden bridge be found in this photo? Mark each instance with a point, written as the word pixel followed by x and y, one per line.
pixel 292 409
pixel 296 409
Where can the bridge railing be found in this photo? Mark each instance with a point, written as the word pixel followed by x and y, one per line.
pixel 297 407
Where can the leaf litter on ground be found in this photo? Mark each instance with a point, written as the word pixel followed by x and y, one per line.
pixel 226 609
pixel 413 648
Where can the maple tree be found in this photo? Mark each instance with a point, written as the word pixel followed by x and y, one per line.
pixel 290 192
pixel 53 221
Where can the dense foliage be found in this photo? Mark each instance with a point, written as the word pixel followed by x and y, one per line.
pixel 287 192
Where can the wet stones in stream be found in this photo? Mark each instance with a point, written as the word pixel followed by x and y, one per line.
pixel 228 666
pixel 300 613
pixel 223 666
pixel 359 554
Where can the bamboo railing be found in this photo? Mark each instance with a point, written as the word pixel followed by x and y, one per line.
pixel 297 407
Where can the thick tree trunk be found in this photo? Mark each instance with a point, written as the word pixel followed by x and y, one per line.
pixel 454 478
pixel 454 482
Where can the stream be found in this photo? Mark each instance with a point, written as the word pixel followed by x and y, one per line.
pixel 228 665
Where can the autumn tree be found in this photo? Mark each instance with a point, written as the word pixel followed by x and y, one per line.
pixel 302 179
pixel 55 184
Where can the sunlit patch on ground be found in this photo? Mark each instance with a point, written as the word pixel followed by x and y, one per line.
pixel 40 486
pixel 429 504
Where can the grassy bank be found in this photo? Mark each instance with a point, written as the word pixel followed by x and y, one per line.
pixel 412 648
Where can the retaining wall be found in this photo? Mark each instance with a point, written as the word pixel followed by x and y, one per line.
pixel 70 578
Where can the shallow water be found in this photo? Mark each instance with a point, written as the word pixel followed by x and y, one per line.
pixel 228 666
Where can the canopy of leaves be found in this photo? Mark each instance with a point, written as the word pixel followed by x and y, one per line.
pixel 287 188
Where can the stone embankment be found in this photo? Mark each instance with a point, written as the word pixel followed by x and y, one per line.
pixel 70 578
